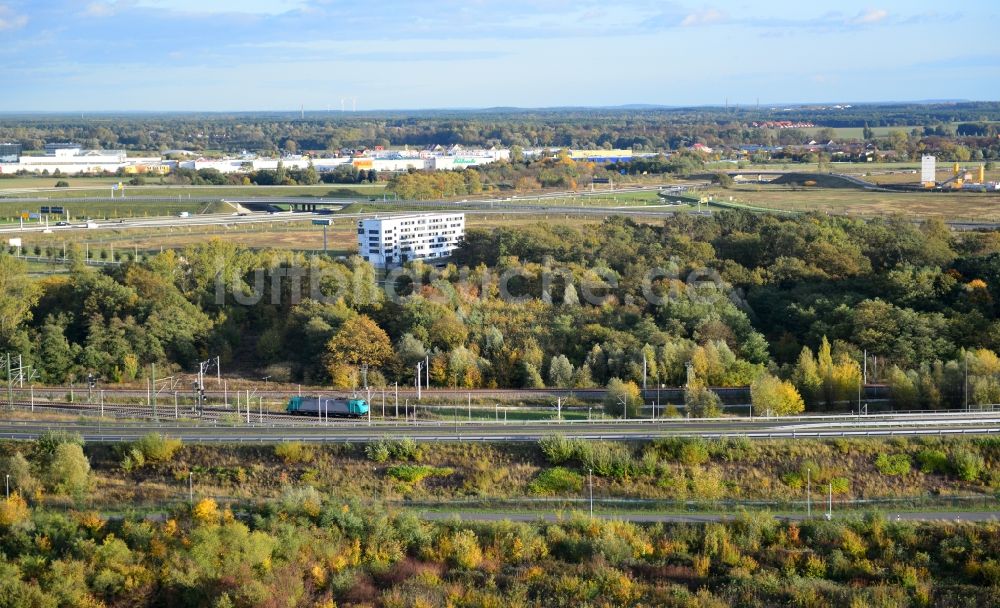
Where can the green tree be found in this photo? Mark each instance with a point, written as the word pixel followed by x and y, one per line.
pixel 55 353
pixel 702 402
pixel 560 372
pixel 902 389
pixel 410 350
pixel 622 399
pixel 311 177
pixel 18 296
pixel 807 378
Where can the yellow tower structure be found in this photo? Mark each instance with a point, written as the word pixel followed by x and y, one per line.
pixel 982 174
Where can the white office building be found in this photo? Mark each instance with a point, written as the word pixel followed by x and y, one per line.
pixel 395 240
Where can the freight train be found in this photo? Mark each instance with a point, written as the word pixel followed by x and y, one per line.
pixel 327 406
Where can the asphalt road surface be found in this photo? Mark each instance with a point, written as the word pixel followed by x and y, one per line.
pixel 316 430
pixel 949 516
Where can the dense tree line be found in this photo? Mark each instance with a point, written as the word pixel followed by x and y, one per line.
pixel 734 295
pixel 308 549
pixel 309 545
pixel 662 129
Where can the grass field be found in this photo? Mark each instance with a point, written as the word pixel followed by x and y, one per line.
pixel 296 236
pixel 49 181
pixel 23 187
pixel 10 210
pixel 949 206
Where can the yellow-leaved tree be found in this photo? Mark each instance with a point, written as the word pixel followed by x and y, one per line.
pixel 359 342
pixel 773 396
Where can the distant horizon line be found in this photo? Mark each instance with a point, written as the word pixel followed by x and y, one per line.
pixel 630 106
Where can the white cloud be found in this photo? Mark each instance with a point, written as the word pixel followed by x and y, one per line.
pixel 260 7
pixel 9 20
pixel 872 15
pixel 107 9
pixel 705 17
pixel 99 9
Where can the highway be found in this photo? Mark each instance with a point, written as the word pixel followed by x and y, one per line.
pixel 213 219
pixel 697 518
pixel 524 204
pixel 225 427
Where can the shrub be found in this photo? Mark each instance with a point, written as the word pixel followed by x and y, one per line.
pixel 932 461
pixel 793 479
pixel 556 481
pixel 158 448
pixel 464 550
pixel 694 452
pixel 206 511
pixel 133 460
pixel 405 449
pixel 377 451
pixel 967 465
pixel 415 473
pixel 840 485
pixel 691 451
pixel 305 500
pixel 706 484
pixel 69 472
pixel 385 448
pixel 14 511
pixel 20 474
pixel 557 448
pixel 607 459
pixel 291 452
pixel 814 567
pixel 897 464
pixel 733 449
pixel 49 441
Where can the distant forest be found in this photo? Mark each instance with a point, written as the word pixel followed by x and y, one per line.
pixel 640 128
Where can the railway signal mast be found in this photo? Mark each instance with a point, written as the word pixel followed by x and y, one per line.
pixel 18 373
pixel 199 384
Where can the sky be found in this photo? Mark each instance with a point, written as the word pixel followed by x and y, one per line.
pixel 265 55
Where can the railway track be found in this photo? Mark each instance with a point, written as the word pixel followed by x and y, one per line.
pixel 733 395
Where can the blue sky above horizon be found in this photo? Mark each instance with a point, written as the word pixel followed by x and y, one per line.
pixel 218 55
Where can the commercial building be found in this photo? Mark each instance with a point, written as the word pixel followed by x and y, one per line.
pixel 70 159
pixel 10 153
pixel 395 240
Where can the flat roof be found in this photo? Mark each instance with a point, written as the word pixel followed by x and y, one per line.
pixel 412 215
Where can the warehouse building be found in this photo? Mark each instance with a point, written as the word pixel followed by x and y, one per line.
pixel 393 241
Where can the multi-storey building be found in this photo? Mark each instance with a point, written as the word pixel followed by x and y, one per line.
pixel 395 240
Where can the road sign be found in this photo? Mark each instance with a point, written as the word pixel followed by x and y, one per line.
pixel 601 180
pixel 322 222
pixel 45 210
